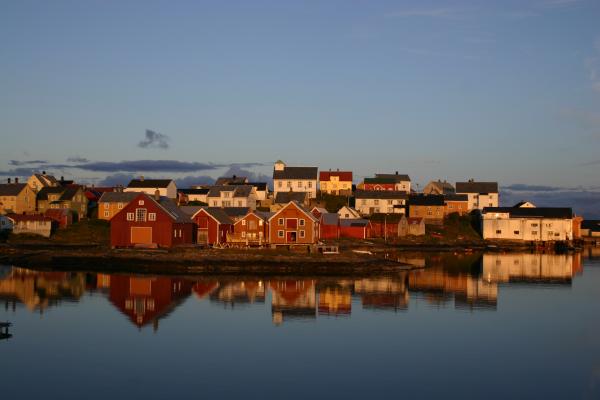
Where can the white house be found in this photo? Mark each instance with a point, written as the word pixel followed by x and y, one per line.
pixel 232 196
pixel 500 268
pixel 481 194
pixel 527 223
pixel 166 187
pixel 380 201
pixel 348 213
pixel 295 179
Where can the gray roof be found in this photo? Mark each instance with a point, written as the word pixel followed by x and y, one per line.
pixel 171 207
pixel 442 186
pixel 354 222
pixel 477 187
pixel 426 200
pixel 296 173
pixel 592 224
pixel 380 194
pixel 66 192
pixel 330 218
pixel 231 180
pixel 190 210
pixel 193 191
pixel 47 179
pixel 117 197
pixel 534 212
pixel 149 183
pixel 395 177
pixel 265 215
pixel 235 212
pixel 219 214
pixel 456 197
pixel 11 189
pixel 238 190
pixel 286 197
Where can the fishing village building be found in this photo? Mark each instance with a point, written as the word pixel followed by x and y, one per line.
pixel 295 179
pixel 232 196
pixel 396 182
pixel 380 201
pixel 17 198
pixel 165 187
pixel 110 203
pixel 251 230
pixel 212 224
pixel 480 194
pixel 293 225
pixel 338 183
pixel 151 221
pixel 71 197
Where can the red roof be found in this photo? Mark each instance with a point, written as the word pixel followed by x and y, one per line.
pixel 31 217
pixel 342 175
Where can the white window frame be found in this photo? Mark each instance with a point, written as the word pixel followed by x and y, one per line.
pixel 280 234
pixel 130 216
pixel 302 234
pixel 152 217
pixel 301 222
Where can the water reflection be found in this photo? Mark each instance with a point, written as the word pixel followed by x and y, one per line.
pixel 464 281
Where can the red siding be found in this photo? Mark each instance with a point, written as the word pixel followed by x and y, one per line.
pixel 355 232
pixel 216 232
pixel 378 229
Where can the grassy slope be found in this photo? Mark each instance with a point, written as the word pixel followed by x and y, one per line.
pixel 90 231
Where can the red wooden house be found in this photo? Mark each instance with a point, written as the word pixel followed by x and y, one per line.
pixel 252 229
pixel 151 221
pixel 293 225
pixel 61 216
pixel 355 228
pixel 213 225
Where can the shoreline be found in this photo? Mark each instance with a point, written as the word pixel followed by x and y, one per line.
pixel 195 261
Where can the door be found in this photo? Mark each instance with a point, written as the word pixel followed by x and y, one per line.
pixel 202 236
pixel 291 237
pixel 141 235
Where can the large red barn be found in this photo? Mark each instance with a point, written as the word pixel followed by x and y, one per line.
pixel 213 224
pixel 149 221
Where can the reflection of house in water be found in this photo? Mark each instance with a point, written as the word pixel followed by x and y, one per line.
pixel 239 292
pixel 532 268
pixel 382 293
pixel 40 290
pixel 147 299
pixel 293 299
pixel 439 285
pixel 203 288
pixel 335 300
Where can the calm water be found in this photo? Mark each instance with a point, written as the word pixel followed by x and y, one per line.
pixel 492 326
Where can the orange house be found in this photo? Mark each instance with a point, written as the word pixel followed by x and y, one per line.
pixel 456 203
pixel 111 203
pixel 252 229
pixel 293 225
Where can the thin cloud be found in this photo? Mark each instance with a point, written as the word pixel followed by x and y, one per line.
pixel 520 187
pixel 154 140
pixel 559 3
pixel 17 163
pixel 77 159
pixel 173 166
pixel 18 172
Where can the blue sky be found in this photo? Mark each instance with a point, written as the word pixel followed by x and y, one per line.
pixel 506 91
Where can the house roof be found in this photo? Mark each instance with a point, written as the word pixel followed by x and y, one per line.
pixel 171 207
pixel 66 193
pixel 262 186
pixel 286 197
pixel 351 210
pixel 238 190
pixel 395 177
pixel 442 186
pixel 69 192
pixel 117 197
pixel 46 180
pixel 236 212
pixel 476 187
pixel 218 214
pixel 193 191
pixel 358 222
pixel 231 180
pixel 28 217
pixel 296 173
pixel 320 210
pixel 414 220
pixel 11 189
pixel 265 215
pixel 380 194
pixel 330 218
pixel 300 207
pixel 426 200
pixel 536 212
pixel 456 197
pixel 591 224
pixel 149 183
pixel 342 175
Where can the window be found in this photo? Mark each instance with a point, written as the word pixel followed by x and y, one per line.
pixel 243 234
pixel 279 184
pixel 280 234
pixel 534 232
pixel 243 222
pixel 557 234
pixel 240 203
pixel 289 184
pixel 310 185
pixel 215 203
pixel 106 206
pixel 302 234
pixel 252 225
pixel 280 221
pixel 107 214
pixel 120 206
pixel 516 232
pixel 299 184
pixel 498 232
pixel 140 214
pixel 226 195
pixel 141 202
pixel 260 222
pixel 152 217
pixel 534 225
pixel 376 202
pixel 450 206
pixel 302 222
pixel 130 216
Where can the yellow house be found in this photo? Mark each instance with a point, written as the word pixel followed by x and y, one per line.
pixel 112 202
pixel 16 198
pixel 70 197
pixel 337 183
pixel 39 181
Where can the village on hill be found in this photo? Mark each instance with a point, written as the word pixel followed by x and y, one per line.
pixel 304 207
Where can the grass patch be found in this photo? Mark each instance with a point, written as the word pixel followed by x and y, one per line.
pixel 89 231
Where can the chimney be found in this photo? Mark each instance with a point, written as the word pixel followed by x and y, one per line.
pixel 8 180
pixel 157 195
pixel 16 180
pixel 43 172
pixel 396 172
pixel 62 178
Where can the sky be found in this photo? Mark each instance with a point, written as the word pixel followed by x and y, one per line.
pixel 507 91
